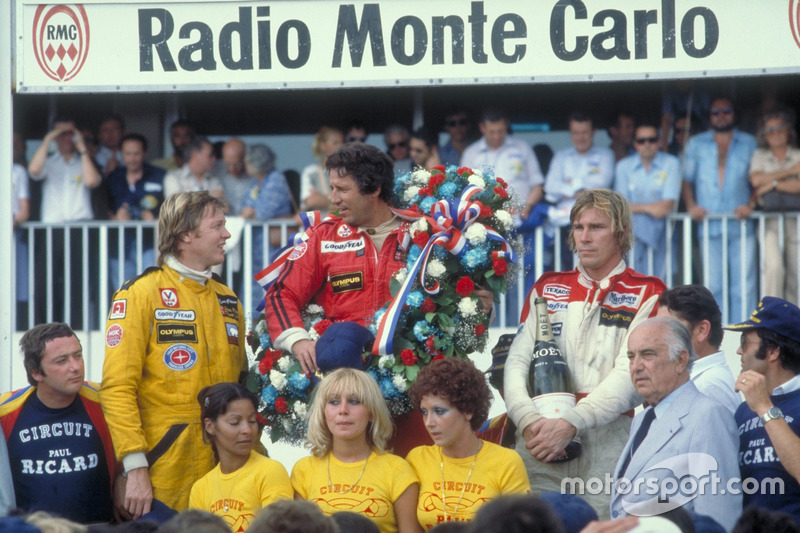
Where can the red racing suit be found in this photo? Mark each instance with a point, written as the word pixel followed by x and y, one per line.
pixel 338 268
pixel 591 322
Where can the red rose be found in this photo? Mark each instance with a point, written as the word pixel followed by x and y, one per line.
pixel 465 286
pixel 426 191
pixel 502 182
pixel 500 266
pixel 480 329
pixel 436 180
pixel 440 168
pixel 427 306
pixel 486 211
pixel 436 358
pixel 408 357
pixel 265 365
pixel 261 420
pixel 421 238
pixel 321 326
pixel 463 170
pixel 501 192
pixel 429 344
pixel 281 406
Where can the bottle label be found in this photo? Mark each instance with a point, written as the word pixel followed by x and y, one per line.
pixel 554 405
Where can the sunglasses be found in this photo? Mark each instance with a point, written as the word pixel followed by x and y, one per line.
pixel 456 122
pixel 721 111
pixel 397 145
pixel 643 140
pixel 770 131
pixel 354 139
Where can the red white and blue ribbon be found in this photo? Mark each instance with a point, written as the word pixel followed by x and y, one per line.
pixel 449 219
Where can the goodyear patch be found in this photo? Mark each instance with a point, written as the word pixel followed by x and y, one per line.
pixel 180 357
pixel 347 282
pixel 229 306
pixel 183 315
pixel 233 333
pixel 555 307
pixel 618 318
pixel 118 309
pixel 113 335
pixel 298 251
pixel 169 297
pixel 622 299
pixel 166 333
pixel 354 245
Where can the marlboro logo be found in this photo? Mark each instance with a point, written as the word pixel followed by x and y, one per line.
pixel 61 40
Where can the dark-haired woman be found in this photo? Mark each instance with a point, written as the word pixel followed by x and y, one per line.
pixel 244 481
pixel 460 472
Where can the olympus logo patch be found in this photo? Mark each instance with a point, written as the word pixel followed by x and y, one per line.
pixel 167 333
pixel 618 318
pixel 340 247
pixel 174 314
pixel 349 281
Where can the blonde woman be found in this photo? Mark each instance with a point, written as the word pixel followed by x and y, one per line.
pixel 349 468
pixel 314 183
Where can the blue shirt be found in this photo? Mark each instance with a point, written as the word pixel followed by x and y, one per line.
pixel 703 172
pixel 641 186
pixel 270 198
pixel 147 193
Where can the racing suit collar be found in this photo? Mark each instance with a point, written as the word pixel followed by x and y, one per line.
pixel 199 276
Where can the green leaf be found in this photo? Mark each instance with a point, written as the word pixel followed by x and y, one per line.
pixel 448 352
pixel 411 372
pixel 446 321
pixel 253 382
pixel 398 367
pixel 276 432
pixel 394 286
pixel 430 316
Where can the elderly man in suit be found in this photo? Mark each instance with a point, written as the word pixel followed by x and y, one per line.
pixel 682 449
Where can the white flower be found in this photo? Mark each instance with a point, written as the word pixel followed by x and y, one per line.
pixel 401 274
pixel 399 382
pixel 476 233
pixel 476 181
pixel 287 424
pixel 314 309
pixel 477 172
pixel 419 225
pixel 313 334
pixel 300 408
pixel 261 327
pixel 421 177
pixel 277 379
pixel 386 361
pixel 284 363
pixel 504 218
pixel 466 306
pixel 410 193
pixel 435 268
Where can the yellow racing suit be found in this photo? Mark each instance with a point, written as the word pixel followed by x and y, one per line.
pixel 168 336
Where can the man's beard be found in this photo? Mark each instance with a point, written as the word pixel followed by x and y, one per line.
pixel 723 129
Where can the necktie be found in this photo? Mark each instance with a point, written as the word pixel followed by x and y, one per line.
pixel 641 433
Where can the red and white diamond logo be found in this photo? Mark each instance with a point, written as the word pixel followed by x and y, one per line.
pixel 61 40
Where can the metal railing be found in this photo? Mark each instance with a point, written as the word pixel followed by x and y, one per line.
pixel 72 270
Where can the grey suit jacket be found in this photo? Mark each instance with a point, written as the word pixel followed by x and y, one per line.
pixel 687 459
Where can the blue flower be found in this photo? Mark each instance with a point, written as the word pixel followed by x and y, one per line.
pixel 269 395
pixel 413 254
pixel 422 330
pixel 387 388
pixel 447 190
pixel 415 299
pixel 265 340
pixel 426 204
pixel 373 328
pixel 475 258
pixel 298 381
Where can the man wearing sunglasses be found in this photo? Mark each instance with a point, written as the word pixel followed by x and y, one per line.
pixel 396 137
pixel 456 125
pixel 650 180
pixel 716 182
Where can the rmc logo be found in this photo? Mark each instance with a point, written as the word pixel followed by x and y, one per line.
pixel 61 40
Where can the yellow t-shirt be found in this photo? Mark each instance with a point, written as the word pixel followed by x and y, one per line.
pixel 497 471
pixel 260 482
pixel 385 478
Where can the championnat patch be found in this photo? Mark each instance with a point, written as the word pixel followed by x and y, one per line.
pixel 556 291
pixel 233 333
pixel 113 335
pixel 118 309
pixel 618 318
pixel 557 328
pixel 180 357
pixel 166 333
pixel 298 251
pixel 183 315
pixel 169 297
pixel 347 282
pixel 327 247
pixel 618 299
pixel 344 231
pixel 229 306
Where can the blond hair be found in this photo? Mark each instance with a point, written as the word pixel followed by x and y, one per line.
pixel 320 137
pixel 616 208
pixel 355 384
pixel 180 213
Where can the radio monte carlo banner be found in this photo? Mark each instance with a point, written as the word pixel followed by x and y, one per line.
pixel 104 46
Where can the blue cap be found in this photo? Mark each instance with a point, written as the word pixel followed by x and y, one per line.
pixel 774 314
pixel 574 511
pixel 341 346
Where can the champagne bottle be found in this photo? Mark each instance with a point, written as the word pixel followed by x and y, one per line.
pixel 550 382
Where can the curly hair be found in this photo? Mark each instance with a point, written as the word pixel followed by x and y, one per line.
pixel 370 168
pixel 458 382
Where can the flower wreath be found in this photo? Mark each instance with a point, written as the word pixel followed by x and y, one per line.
pixel 459 223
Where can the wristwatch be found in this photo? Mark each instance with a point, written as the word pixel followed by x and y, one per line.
pixel 771 414
pixel 774 184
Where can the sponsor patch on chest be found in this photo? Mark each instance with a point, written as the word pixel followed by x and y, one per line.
pixel 327 247
pixel 298 251
pixel 557 328
pixel 113 335
pixel 118 309
pixel 349 281
pixel 183 315
pixel 618 318
pixel 344 231
pixel 616 299
pixel 166 333
pixel 556 291
pixel 180 357
pixel 169 297
pixel 233 333
pixel 229 306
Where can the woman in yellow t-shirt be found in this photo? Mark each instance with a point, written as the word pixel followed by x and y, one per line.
pixel 459 473
pixel 349 468
pixel 244 481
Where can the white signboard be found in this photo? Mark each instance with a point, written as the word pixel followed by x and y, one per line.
pixel 216 45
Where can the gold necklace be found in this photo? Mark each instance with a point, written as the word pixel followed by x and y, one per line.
pixel 230 492
pixel 330 482
pixel 464 488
